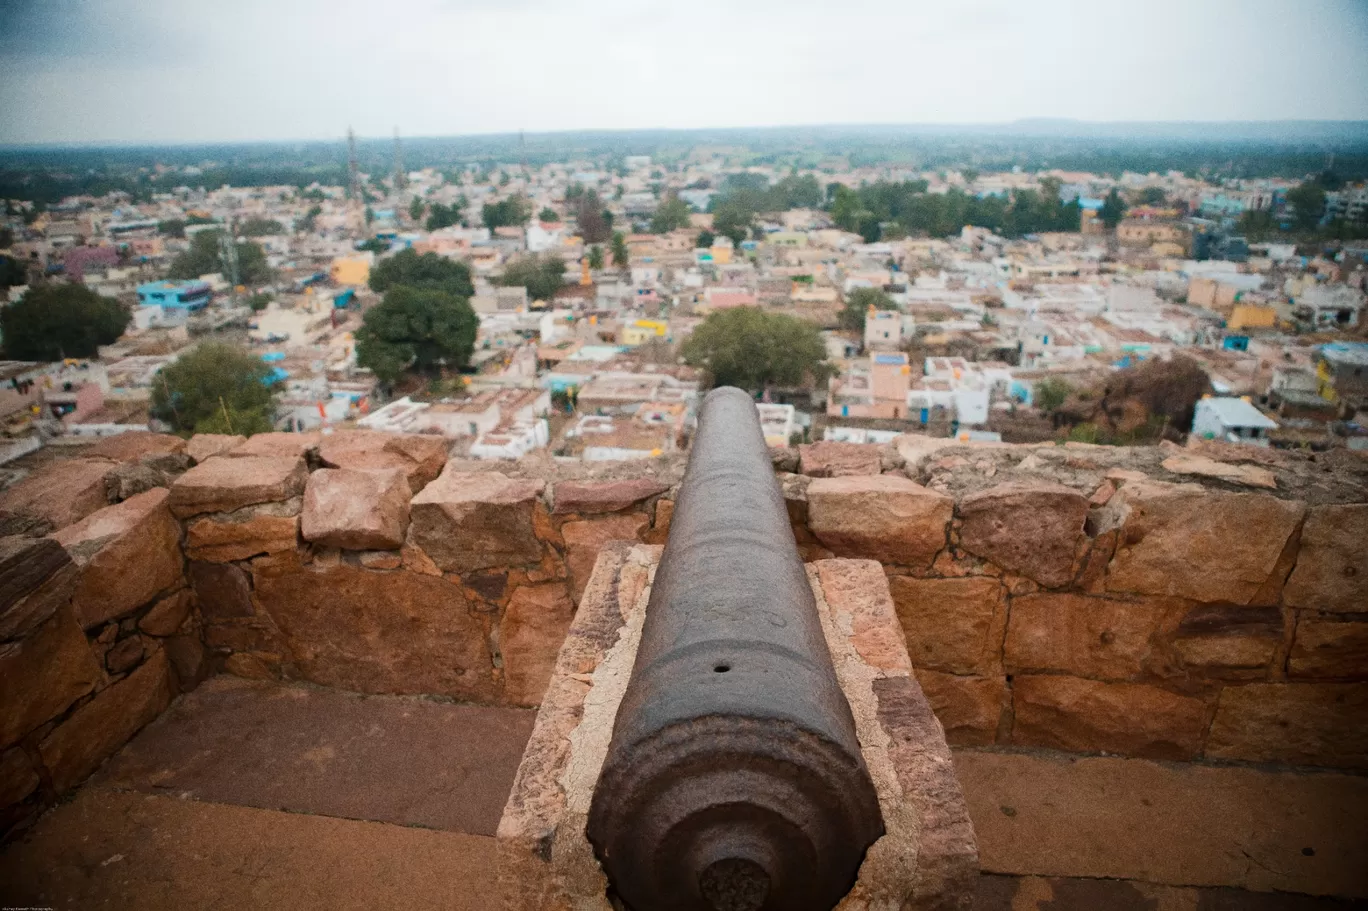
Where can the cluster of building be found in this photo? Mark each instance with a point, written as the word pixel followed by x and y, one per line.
pixel 594 372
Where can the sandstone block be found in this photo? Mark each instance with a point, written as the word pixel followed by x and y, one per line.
pixel 968 708
pixel 101 726
pixel 127 554
pixel 57 494
pixel 1087 716
pixel 270 528
pixel 883 517
pixel 1031 529
pixel 584 540
pixel 222 591
pixel 43 674
pixel 1232 641
pixel 135 445
pixel 124 656
pixel 277 445
pixel 168 615
pixel 203 446
pixel 1190 542
pixel 36 578
pixel 829 459
pixel 660 528
pixel 1320 724
pixel 530 636
pixel 1248 475
pixel 397 632
pixel 597 497
pixel 420 457
pixel 951 625
pixel 1331 573
pixel 228 484
pixel 356 509
pixel 473 520
pixel 17 777
pixel 1084 636
pixel 1329 647
pixel 186 654
pixel 858 593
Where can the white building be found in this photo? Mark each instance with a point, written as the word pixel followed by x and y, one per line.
pixel 1231 420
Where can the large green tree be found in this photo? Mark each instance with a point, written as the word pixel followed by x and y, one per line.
pixel 428 271
pixel 858 303
pixel 440 216
pixel 51 322
pixel 541 275
pixel 260 227
pixel 510 212
pixel 622 257
pixel 672 214
pixel 1308 203
pixel 12 272
pixel 755 349
pixel 416 329
pixel 204 257
pixel 216 388
pixel 1113 209
pixel 733 219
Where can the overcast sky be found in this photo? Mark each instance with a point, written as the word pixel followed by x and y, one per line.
pixel 191 70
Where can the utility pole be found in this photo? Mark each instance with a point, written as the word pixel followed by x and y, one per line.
pixel 522 149
pixel 228 256
pixel 354 177
pixel 399 180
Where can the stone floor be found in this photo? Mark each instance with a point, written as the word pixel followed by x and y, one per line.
pixel 249 795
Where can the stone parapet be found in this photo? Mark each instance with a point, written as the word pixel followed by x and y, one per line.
pixel 927 857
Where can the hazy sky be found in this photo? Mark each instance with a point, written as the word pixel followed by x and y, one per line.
pixel 191 70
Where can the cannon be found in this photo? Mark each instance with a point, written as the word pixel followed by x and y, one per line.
pixel 734 779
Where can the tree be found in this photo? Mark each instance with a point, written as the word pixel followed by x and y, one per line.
pixel 6 237
pixel 1113 210
pixel 374 245
pixel 416 328
pixel 510 212
pixel 548 215
pixel 756 350
pixel 260 227
pixel 732 220
pixel 12 272
pixel 216 388
pixel 428 271
pixel 440 216
pixel 858 304
pixel 670 215
pixel 622 257
pixel 1153 196
pixel 542 276
pixel 204 257
pixel 1308 202
pixel 593 223
pixel 258 302
pixel 51 322
pixel 1050 393
pixel 172 227
pixel 416 209
pixel 306 224
pixel 596 257
pixel 705 240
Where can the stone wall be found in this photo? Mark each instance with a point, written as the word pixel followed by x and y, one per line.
pixel 1159 602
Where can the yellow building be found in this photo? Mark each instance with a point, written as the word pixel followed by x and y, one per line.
pixel 721 255
pixel 1252 316
pixel 640 331
pixel 351 270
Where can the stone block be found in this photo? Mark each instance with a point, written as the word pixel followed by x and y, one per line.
pixel 186 654
pixel 421 457
pixel 227 484
pixel 883 517
pixel 952 625
pixel 222 591
pixel 1186 541
pixel 598 497
pixel 1085 636
pixel 203 446
pixel 1331 573
pixel 858 589
pixel 1330 647
pixel 94 731
pixel 36 578
pixel 530 636
pixel 1248 475
pixel 277 445
pixel 466 521
pixel 395 632
pixel 968 708
pixel 135 445
pixel 43 674
pixel 584 540
pixel 270 528
pixel 1317 724
pixel 1230 641
pixel 1031 529
pixel 17 777
pixel 830 459
pixel 127 553
pixel 356 509
pixel 57 494
pixel 124 656
pixel 168 615
pixel 1088 716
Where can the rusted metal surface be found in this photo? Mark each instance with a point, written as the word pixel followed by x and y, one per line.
pixel 734 780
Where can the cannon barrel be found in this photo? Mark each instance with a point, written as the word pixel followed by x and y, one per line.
pixel 734 779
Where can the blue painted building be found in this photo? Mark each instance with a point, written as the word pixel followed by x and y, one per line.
pixel 193 295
